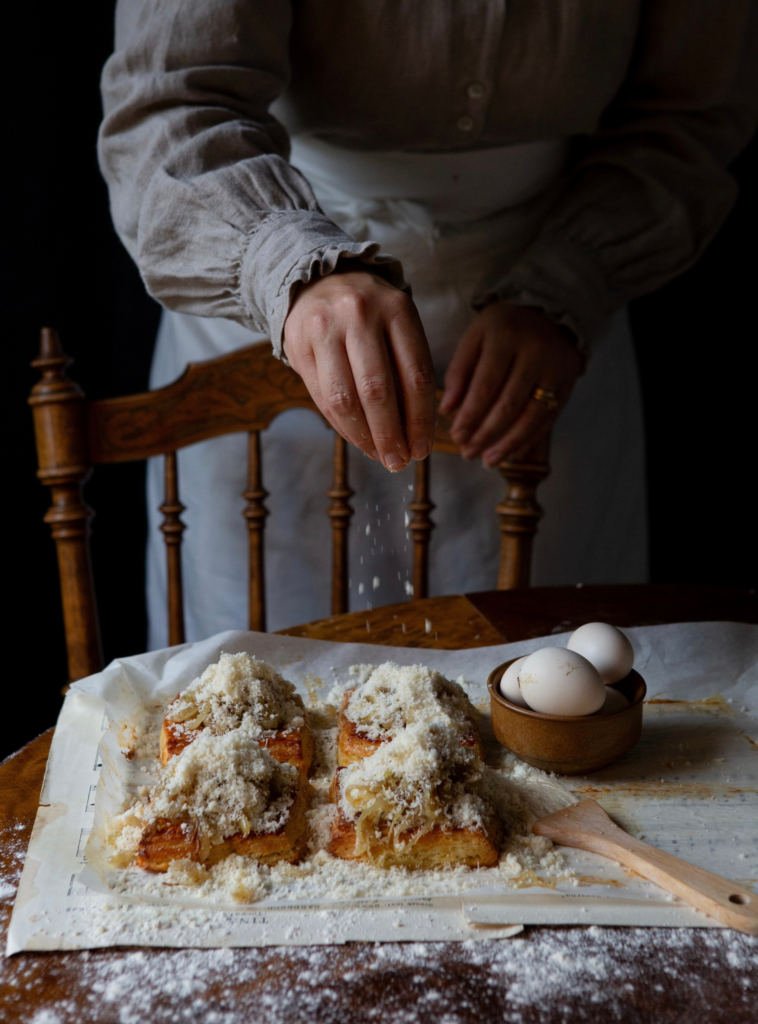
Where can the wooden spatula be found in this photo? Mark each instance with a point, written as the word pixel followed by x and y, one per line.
pixel 586 826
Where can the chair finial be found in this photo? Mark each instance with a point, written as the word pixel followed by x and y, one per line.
pixel 49 344
pixel 52 362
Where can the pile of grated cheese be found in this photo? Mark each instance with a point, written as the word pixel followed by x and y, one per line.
pixel 420 779
pixel 224 785
pixel 519 792
pixel 395 696
pixel 239 692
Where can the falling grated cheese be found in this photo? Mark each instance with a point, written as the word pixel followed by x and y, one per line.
pixel 238 691
pixel 224 785
pixel 392 697
pixel 421 779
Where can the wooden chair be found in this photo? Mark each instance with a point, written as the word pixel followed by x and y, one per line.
pixel 243 391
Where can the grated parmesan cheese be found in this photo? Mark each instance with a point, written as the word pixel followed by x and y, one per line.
pixel 238 877
pixel 420 779
pixel 224 785
pixel 519 792
pixel 239 691
pixel 514 792
pixel 391 697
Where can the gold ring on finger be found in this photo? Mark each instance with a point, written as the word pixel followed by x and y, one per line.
pixel 548 397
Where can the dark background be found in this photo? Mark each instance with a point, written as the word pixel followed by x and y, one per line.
pixel 63 265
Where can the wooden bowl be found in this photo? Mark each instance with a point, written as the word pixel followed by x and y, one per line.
pixel 559 743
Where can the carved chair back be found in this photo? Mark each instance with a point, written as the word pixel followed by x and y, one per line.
pixel 240 392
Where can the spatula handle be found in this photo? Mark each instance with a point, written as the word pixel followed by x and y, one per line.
pixel 721 899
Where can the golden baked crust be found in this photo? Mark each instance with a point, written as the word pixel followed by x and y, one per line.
pixel 174 739
pixel 435 849
pixel 352 746
pixel 165 841
pixel 471 847
pixel 294 747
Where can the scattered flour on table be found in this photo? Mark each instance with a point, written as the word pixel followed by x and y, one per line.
pixel 13 843
pixel 582 975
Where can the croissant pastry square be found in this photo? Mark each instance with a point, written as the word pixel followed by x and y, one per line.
pixel 240 691
pixel 420 801
pixel 353 744
pixel 437 848
pixel 164 841
pixel 293 746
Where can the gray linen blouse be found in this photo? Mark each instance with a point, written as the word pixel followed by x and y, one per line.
pixel 657 95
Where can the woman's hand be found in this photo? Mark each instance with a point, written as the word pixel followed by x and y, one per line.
pixel 507 352
pixel 358 343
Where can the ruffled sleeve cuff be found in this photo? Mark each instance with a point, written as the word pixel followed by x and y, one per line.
pixel 235 242
pixel 294 248
pixel 562 281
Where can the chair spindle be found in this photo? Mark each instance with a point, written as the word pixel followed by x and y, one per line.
pixel 421 526
pixel 255 513
pixel 340 512
pixel 519 515
pixel 172 528
pixel 59 425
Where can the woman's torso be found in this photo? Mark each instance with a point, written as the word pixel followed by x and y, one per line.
pixel 405 75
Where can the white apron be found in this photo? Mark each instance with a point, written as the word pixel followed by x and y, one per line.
pixel 455 221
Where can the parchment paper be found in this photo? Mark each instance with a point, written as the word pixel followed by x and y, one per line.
pixel 690 787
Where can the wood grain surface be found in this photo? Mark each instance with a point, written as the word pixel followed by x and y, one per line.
pixel 539 611
pixel 545 976
pixel 444 623
pixel 497 617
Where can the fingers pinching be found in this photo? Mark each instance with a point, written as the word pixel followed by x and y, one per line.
pixel 415 375
pixel 371 365
pixel 358 343
pixel 319 357
pixel 339 397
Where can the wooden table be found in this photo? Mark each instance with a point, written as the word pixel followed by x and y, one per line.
pixel 635 976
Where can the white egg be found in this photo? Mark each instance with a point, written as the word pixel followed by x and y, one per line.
pixel 509 685
pixel 556 681
pixel 614 701
pixel 606 647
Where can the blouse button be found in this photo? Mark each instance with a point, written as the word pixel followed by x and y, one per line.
pixel 465 123
pixel 475 91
